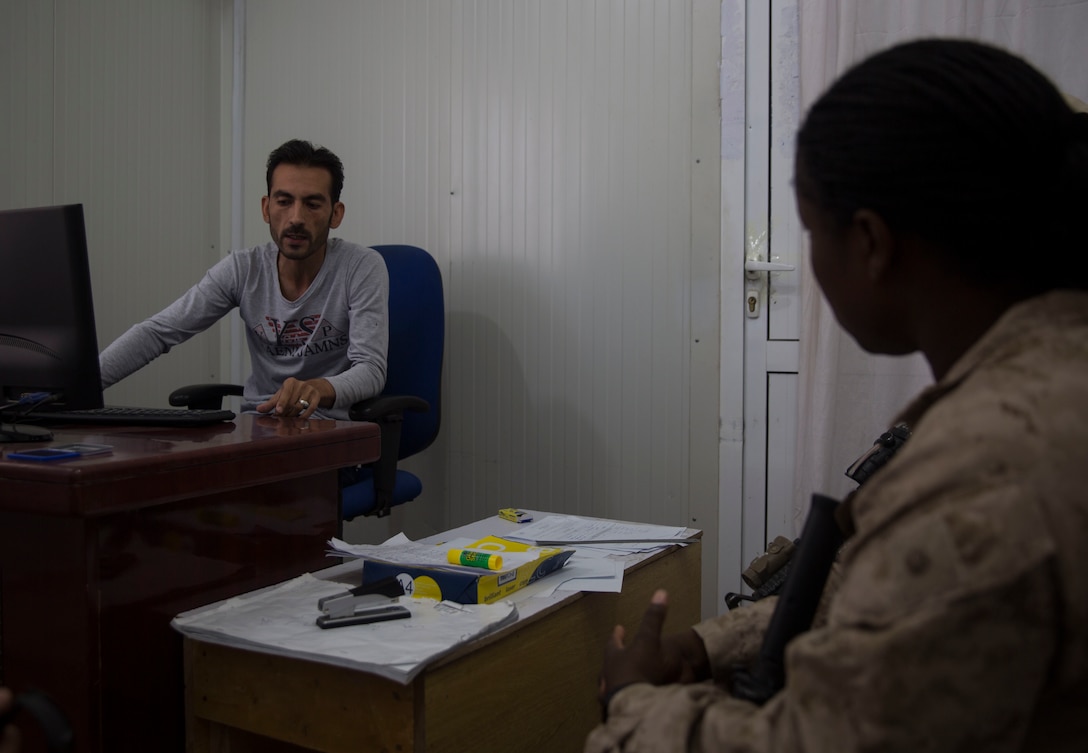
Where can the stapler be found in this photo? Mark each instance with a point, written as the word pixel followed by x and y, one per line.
pixel 364 604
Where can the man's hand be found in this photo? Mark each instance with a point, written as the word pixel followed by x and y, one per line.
pixel 9 735
pixel 650 658
pixel 300 399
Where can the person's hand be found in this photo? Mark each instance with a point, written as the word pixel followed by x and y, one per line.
pixel 299 399
pixel 9 734
pixel 650 658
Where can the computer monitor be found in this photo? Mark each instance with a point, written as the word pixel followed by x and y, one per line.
pixel 47 331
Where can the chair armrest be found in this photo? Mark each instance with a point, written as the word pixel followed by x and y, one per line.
pixel 203 396
pixel 377 408
pixel 388 412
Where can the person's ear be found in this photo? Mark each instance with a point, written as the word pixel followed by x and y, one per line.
pixel 264 210
pixel 875 242
pixel 337 215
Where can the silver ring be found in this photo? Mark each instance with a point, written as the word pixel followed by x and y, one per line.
pixel 304 403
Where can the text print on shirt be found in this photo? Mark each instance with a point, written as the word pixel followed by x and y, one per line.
pixel 300 337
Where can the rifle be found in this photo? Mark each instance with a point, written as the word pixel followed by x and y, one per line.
pixel 820 541
pixel 798 571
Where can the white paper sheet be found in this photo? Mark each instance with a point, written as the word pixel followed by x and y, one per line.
pixel 572 529
pixel 281 620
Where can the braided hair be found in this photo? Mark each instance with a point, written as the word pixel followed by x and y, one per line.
pixel 960 144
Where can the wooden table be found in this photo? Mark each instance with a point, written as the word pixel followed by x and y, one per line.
pixel 98 554
pixel 530 687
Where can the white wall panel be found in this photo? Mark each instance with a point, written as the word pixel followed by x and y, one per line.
pixel 114 104
pixel 543 152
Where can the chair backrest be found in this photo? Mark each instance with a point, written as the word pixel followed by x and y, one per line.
pixel 417 330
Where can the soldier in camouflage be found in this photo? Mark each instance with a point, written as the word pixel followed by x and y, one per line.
pixel 930 177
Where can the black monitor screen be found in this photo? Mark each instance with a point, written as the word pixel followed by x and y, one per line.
pixel 47 331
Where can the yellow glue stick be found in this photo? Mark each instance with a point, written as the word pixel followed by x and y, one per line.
pixel 472 558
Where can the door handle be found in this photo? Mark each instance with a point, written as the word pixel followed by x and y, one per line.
pixel 755 289
pixel 752 268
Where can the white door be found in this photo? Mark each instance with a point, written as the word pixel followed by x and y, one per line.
pixel 761 296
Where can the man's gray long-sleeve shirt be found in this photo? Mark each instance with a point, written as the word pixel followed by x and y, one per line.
pixel 338 329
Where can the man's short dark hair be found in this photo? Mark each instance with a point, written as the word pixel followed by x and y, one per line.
pixel 304 154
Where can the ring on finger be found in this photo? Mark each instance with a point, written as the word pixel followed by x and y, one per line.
pixel 304 403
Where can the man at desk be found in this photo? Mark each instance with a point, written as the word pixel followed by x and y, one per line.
pixel 315 309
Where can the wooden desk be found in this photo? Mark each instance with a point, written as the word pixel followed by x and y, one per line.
pixel 530 687
pixel 98 554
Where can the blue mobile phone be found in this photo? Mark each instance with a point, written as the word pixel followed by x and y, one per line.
pixel 44 453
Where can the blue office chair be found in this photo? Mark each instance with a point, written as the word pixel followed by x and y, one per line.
pixel 409 409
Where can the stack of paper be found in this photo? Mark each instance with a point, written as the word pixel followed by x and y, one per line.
pixel 602 548
pixel 281 620
pixel 561 530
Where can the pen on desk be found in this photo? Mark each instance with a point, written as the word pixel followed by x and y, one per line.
pixel 472 558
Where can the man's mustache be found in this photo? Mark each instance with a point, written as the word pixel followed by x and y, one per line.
pixel 297 230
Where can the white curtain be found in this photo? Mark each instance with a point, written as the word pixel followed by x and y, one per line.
pixel 847 397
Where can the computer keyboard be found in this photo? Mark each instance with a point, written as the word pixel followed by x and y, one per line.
pixel 126 416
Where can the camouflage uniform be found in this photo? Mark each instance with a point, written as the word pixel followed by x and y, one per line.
pixel 961 619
